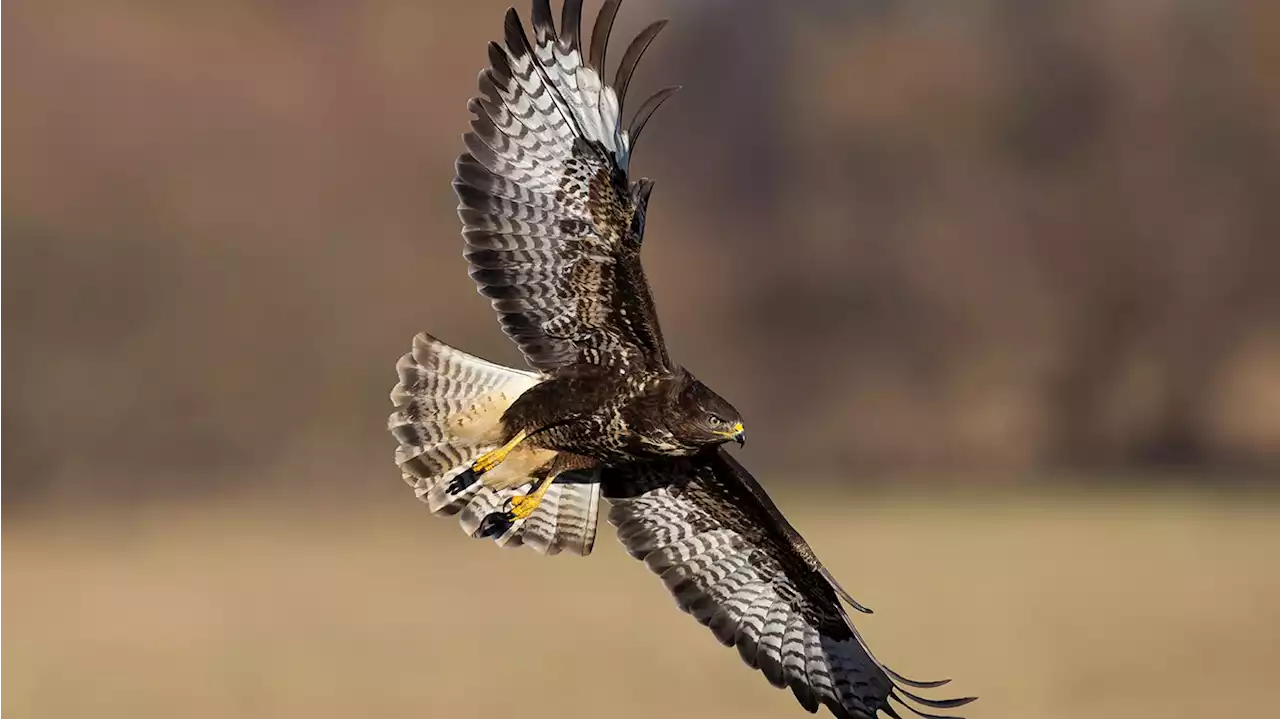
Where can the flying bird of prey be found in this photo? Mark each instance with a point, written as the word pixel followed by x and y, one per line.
pixel 553 224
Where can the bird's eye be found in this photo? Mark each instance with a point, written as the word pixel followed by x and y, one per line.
pixel 716 420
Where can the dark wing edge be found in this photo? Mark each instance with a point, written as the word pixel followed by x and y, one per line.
pixel 700 523
pixel 552 223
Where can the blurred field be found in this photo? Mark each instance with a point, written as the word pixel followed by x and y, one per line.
pixel 1101 606
pixel 994 245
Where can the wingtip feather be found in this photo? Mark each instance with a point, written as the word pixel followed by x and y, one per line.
pixel 937 703
pixel 571 25
pixel 840 591
pixel 918 684
pixel 646 111
pixel 924 714
pixel 544 27
pixel 514 34
pixel 631 58
pixel 600 34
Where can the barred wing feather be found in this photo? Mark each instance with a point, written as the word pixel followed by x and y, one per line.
pixel 552 222
pixel 733 562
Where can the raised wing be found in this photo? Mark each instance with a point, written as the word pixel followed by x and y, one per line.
pixel 552 223
pixel 734 563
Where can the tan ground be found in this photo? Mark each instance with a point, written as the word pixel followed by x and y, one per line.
pixel 1092 606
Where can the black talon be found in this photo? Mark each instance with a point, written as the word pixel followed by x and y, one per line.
pixel 495 524
pixel 462 481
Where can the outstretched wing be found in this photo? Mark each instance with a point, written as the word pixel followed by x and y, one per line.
pixel 734 563
pixel 551 220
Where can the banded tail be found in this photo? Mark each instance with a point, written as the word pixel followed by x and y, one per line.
pixel 449 406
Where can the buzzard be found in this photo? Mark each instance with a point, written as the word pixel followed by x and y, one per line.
pixel 553 225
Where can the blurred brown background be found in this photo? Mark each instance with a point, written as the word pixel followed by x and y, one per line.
pixel 999 276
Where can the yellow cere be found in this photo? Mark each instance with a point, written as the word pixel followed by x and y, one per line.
pixel 737 429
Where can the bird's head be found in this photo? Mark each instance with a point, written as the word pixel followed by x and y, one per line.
pixel 705 418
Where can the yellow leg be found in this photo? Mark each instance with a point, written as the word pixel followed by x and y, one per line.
pixel 522 505
pixel 492 459
pixel 483 464
pixel 518 507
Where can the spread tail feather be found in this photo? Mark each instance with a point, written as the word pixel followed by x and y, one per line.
pixel 449 407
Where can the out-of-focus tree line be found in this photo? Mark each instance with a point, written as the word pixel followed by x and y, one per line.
pixel 997 236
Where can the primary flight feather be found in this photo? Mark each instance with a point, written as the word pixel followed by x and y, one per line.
pixel 553 225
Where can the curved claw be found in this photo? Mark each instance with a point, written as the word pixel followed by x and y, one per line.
pixel 462 481
pixel 495 524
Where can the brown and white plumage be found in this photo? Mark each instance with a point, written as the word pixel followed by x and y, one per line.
pixel 553 226
pixel 447 406
pixel 551 220
pixel 733 561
